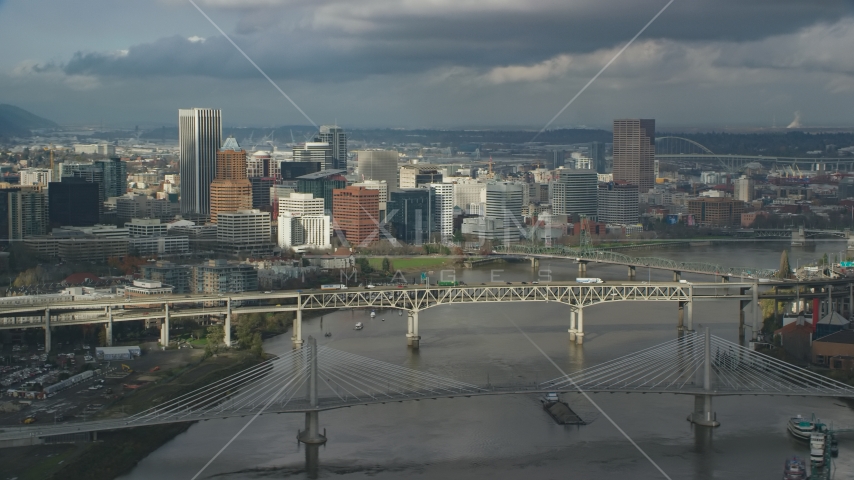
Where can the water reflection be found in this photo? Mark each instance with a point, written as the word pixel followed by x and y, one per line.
pixel 312 460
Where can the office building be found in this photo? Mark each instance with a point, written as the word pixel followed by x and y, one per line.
pixel 574 193
pixel 261 192
pixel 596 151
pixel 744 188
pixel 292 170
pixel 334 136
pixel 199 138
pixel 618 203
pixel 146 227
pixel 230 190
pixel 23 212
pixel 244 233
pixel 300 204
pixel 35 176
pixel 719 211
pixel 320 152
pixel 469 192
pixel 280 191
pixel 137 206
pixel 73 202
pixel 321 184
pixel 410 215
pixel 262 164
pixel 418 175
pixel 555 159
pixel 504 202
pixel 379 165
pixel 380 186
pixel 220 276
pixel 443 210
pixel 356 211
pixel 634 152
pixel 110 176
pixel 169 273
pixel 304 231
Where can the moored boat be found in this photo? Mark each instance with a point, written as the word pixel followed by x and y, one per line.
pixel 794 469
pixel 358 326
pixel 801 428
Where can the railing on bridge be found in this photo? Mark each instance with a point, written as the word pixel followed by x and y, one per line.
pixel 651 262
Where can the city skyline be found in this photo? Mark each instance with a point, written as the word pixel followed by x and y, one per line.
pixel 700 63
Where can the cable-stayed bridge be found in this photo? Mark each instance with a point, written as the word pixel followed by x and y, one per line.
pixel 316 378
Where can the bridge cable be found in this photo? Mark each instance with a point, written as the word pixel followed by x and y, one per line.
pixel 586 396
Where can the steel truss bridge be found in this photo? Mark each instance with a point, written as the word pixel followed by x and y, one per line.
pixel 312 379
pixel 680 149
pixel 606 256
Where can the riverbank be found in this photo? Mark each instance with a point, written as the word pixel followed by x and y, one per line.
pixel 118 452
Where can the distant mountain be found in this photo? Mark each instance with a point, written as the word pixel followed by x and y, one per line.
pixel 17 122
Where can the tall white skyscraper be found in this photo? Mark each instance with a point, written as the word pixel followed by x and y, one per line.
pixel 199 138
pixel 574 192
pixel 337 139
pixel 504 202
pixel 443 209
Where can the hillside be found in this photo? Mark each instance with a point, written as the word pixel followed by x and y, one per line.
pixel 17 122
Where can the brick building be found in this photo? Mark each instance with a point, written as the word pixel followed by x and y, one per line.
pixel 355 212
pixel 716 211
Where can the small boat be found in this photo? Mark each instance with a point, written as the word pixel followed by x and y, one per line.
pixel 399 314
pixel 373 314
pixel 327 334
pixel 358 326
pixel 794 469
pixel 801 428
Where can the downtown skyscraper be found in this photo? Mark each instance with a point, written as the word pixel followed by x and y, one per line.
pixel 337 140
pixel 199 139
pixel 634 152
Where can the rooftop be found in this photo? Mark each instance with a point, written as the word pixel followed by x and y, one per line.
pixel 322 174
pixel 842 336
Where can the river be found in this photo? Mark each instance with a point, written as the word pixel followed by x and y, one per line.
pixel 509 437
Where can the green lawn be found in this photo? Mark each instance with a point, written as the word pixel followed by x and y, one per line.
pixel 409 263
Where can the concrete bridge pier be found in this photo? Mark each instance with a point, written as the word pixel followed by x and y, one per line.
pixel 535 263
pixel 296 338
pixel 582 268
pixel 109 327
pixel 572 327
pixel 677 276
pixel 724 279
pixel 703 414
pixel 412 338
pixel 47 330
pixel 742 304
pixel 579 333
pixel 686 316
pixel 757 312
pixel 632 272
pixel 227 329
pixel 164 327
pixel 311 435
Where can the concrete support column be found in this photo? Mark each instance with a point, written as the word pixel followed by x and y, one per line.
pixel 572 326
pixel 109 326
pixel 582 269
pixel 413 339
pixel 227 330
pixel 579 334
pixel 724 279
pixel 757 312
pixel 296 338
pixel 47 330
pixel 312 434
pixel 677 276
pixel 632 272
pixel 850 300
pixel 689 310
pixel 703 414
pixel 680 322
pixel 742 304
pixel 164 327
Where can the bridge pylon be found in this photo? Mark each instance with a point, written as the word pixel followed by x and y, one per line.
pixel 413 339
pixel 311 435
pixel 703 414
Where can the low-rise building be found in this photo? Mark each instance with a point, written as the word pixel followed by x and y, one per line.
pixel 835 351
pixel 220 276
pixel 145 288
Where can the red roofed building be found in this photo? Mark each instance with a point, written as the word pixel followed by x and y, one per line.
pixel 81 279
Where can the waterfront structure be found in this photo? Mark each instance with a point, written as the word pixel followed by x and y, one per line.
pixel 720 211
pixel 744 187
pixel 220 276
pixel 244 232
pixel 321 184
pixel 380 165
pixel 410 215
pixel 315 152
pixel 443 210
pixel 618 203
pixel 574 193
pixel 74 202
pixel 231 190
pixel 199 139
pixel 305 231
pixel 355 211
pixel 634 152
pixel 334 136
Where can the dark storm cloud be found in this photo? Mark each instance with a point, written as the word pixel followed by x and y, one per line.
pixel 352 40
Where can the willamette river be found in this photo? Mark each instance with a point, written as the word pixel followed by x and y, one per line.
pixel 510 436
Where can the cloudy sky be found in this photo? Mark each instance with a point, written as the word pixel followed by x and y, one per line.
pixel 431 63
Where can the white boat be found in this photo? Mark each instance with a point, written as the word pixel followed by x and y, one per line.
pixel 801 428
pixel 373 314
pixel 358 326
pixel 817 441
